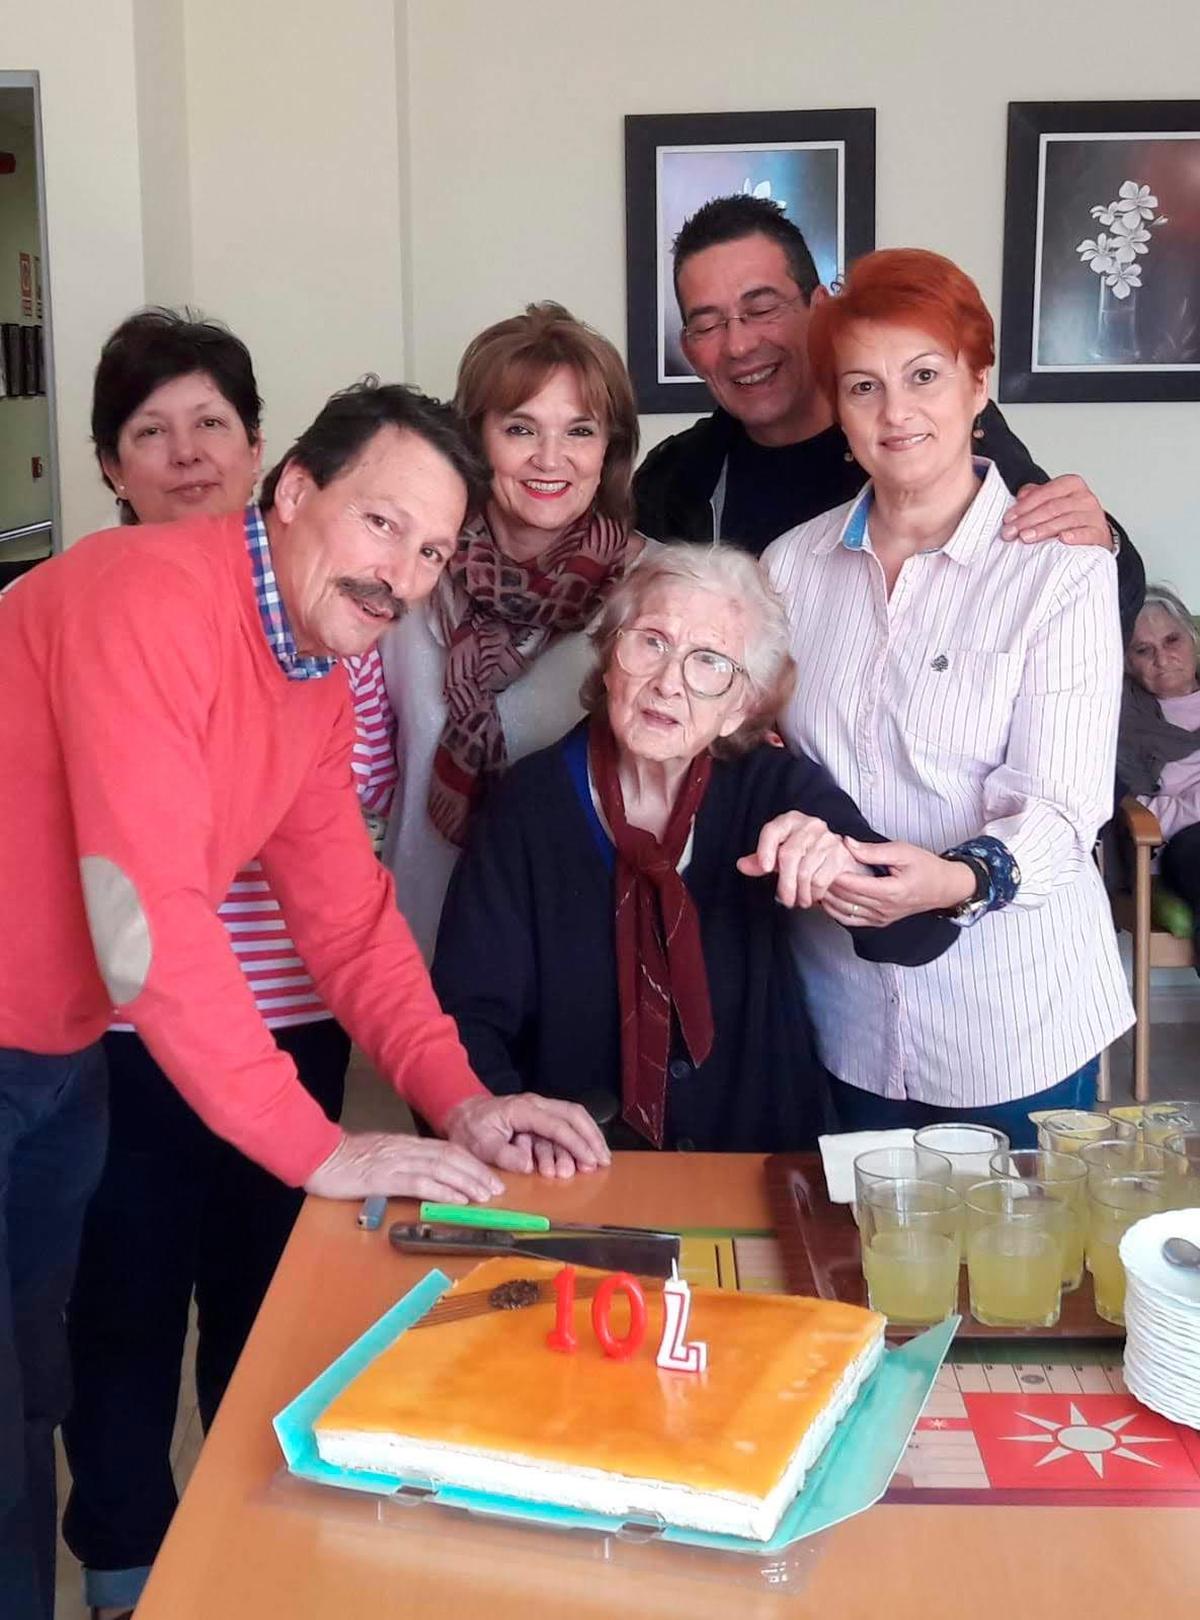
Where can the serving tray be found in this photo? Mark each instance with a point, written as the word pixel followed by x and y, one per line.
pixel 818 1244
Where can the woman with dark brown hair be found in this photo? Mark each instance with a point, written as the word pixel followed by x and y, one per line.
pixel 489 670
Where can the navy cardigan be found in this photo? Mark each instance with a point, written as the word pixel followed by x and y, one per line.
pixel 526 960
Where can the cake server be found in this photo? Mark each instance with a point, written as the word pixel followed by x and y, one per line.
pixel 646 1254
pixel 487 1217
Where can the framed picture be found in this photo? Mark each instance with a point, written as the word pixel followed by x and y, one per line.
pixel 820 166
pixel 1101 251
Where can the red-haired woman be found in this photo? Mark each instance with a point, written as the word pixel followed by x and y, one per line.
pixel 965 693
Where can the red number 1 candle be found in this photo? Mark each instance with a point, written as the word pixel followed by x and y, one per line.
pixel 562 1336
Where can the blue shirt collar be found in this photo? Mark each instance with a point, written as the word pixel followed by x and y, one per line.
pixel 295 665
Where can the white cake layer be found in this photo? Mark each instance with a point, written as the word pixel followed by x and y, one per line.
pixel 594 1490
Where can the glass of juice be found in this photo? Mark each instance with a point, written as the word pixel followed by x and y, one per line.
pixel 1162 1119
pixel 969 1149
pixel 1181 1161
pixel 1120 1156
pixel 897 1164
pixel 1114 1204
pixel 1015 1245
pixel 909 1231
pixel 1054 1175
pixel 1071 1129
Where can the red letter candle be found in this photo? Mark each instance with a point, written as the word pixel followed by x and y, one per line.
pixel 562 1337
pixel 619 1282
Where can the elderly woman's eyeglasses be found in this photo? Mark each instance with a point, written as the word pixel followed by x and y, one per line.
pixel 706 673
pixel 709 324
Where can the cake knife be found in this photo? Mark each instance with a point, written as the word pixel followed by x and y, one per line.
pixel 646 1254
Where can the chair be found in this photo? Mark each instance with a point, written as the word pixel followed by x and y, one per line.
pixel 1160 925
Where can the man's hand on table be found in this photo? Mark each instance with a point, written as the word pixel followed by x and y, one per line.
pixel 403 1167
pixel 526 1132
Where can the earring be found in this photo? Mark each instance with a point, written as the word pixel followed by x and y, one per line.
pixel 848 455
pixel 977 432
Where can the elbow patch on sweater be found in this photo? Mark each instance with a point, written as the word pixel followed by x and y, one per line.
pixel 118 926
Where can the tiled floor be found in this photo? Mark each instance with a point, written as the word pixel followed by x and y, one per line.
pixel 1175 1072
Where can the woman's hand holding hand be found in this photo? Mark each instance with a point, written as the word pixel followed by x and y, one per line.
pixel 917 880
pixel 805 856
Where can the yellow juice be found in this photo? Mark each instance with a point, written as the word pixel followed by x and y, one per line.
pixel 1074 1241
pixel 1015 1274
pixel 1108 1277
pixel 912 1276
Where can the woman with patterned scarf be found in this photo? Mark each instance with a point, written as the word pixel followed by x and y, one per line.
pixel 490 668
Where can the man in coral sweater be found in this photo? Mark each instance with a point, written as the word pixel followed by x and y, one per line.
pixel 173 706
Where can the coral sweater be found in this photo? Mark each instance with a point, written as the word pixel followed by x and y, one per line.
pixel 151 747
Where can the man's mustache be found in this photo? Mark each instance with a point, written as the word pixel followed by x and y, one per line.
pixel 374 596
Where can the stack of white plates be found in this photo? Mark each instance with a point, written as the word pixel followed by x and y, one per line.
pixel 1162 1317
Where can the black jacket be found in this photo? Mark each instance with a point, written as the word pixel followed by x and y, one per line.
pixel 526 957
pixel 674 486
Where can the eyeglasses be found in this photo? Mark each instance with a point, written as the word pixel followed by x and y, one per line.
pixel 707 326
pixel 706 674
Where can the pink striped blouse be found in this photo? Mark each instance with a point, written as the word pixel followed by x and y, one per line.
pixel 980 698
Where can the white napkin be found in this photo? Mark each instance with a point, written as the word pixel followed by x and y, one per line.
pixel 838 1154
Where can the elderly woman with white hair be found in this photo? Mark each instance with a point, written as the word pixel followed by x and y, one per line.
pixel 617 927
pixel 1158 749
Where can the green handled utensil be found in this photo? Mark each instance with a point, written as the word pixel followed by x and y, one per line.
pixel 483 1218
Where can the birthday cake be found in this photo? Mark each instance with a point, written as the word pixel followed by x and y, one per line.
pixel 473 1396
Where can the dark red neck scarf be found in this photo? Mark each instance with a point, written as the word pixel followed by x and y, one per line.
pixel 660 960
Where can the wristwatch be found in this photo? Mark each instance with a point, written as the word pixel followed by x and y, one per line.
pixel 975 904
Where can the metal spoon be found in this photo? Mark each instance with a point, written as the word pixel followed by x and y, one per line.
pixel 1177 1251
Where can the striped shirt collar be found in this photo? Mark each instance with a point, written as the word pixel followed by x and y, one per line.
pixel 976 528
pixel 295 665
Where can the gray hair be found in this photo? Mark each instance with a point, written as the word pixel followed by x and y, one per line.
pixel 1161 596
pixel 728 572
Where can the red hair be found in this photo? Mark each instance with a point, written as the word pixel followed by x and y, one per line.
pixel 902 287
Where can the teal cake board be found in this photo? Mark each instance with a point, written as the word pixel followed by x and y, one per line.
pixel 851 1474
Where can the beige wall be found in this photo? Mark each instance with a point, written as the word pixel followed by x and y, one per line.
pixel 518 188
pixel 24 423
pixel 85 57
pixel 364 185
pixel 295 182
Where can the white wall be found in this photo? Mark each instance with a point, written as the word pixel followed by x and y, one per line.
pixel 294 112
pixel 85 57
pixel 518 188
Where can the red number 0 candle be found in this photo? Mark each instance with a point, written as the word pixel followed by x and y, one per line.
pixel 562 1336
pixel 619 1282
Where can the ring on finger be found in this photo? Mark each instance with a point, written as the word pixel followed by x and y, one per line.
pixel 855 909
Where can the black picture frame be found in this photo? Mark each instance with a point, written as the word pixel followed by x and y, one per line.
pixel 830 152
pixel 1065 337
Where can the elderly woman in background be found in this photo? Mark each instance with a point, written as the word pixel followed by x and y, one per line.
pixel 1158 752
pixel 176 423
pixel 618 922
pixel 489 669
pixel 965 693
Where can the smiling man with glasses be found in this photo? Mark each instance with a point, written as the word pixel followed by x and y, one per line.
pixel 771 455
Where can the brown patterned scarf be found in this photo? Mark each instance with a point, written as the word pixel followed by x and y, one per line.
pixel 660 959
pixel 499 615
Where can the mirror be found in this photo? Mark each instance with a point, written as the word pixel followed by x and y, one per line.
pixel 28 474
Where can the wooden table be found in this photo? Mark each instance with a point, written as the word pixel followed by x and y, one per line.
pixel 245 1547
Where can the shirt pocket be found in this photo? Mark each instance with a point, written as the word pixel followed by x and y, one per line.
pixel 960 705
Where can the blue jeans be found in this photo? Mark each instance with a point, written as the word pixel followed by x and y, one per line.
pixel 859 1110
pixel 53 1129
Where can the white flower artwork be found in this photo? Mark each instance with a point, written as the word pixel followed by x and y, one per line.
pixel 1113 256
pixel 761 190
